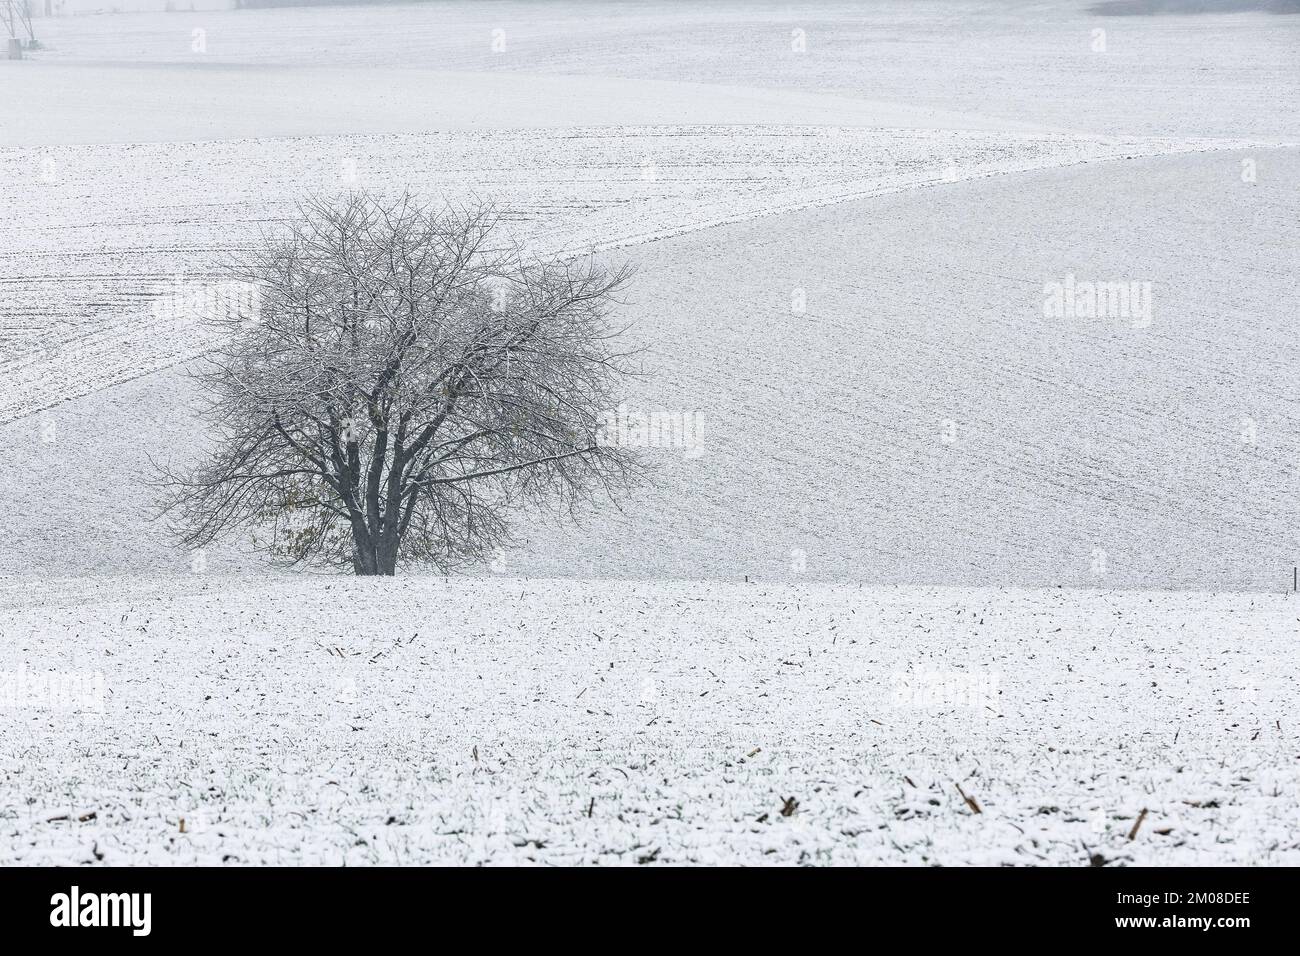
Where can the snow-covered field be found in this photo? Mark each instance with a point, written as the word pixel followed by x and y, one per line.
pixel 84 273
pixel 823 432
pixel 842 257
pixel 1018 60
pixel 514 721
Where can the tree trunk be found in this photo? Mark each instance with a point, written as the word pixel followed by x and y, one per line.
pixel 386 555
pixel 363 561
pixel 370 560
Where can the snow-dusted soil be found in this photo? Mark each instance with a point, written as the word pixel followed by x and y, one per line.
pixel 906 182
pixel 343 721
pixel 1025 60
pixel 64 103
pixel 843 253
pixel 82 276
pixel 823 432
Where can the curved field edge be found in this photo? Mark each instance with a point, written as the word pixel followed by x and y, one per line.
pixel 822 457
pixel 78 312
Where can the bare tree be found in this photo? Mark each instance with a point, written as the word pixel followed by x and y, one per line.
pixel 404 381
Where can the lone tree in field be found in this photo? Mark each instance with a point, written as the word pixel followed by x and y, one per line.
pixel 403 383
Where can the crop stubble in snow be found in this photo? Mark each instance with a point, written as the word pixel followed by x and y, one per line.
pixel 424 720
pixel 508 721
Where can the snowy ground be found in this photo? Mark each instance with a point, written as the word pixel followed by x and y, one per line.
pixel 1028 61
pixel 83 277
pixel 336 721
pixel 911 187
pixel 823 432
pixel 910 180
